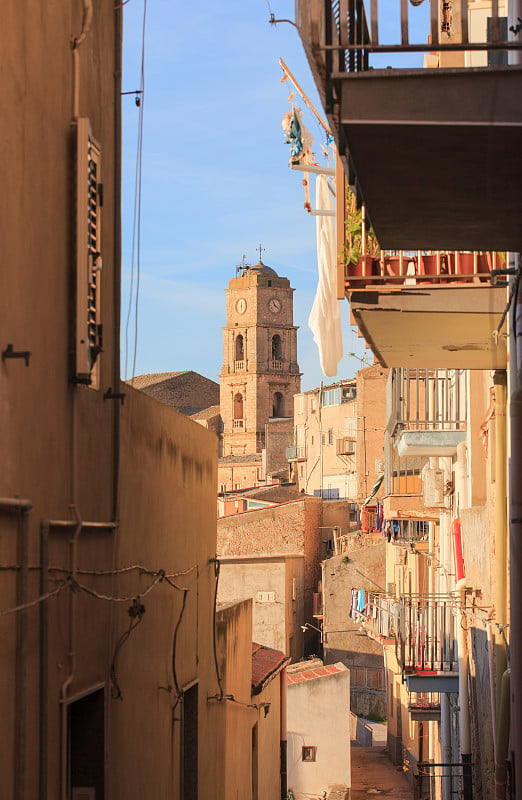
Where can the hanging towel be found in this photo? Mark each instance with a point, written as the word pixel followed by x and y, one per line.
pixel 325 317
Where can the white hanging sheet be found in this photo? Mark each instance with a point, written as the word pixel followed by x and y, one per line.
pixel 325 316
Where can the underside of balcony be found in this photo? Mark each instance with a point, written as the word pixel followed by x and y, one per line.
pixel 444 327
pixel 436 154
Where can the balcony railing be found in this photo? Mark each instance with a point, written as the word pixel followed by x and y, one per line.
pixel 277 364
pixel 239 366
pixel 426 641
pixel 427 400
pixel 408 531
pixel 342 35
pixel 238 423
pixel 424 705
pixel 426 270
pixel 296 453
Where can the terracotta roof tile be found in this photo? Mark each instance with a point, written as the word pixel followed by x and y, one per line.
pixel 187 391
pixel 266 663
pixel 318 672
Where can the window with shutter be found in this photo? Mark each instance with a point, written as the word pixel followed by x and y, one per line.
pixel 88 327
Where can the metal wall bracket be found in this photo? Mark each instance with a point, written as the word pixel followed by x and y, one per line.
pixel 110 395
pixel 10 352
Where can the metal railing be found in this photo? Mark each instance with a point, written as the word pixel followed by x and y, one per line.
pixel 295 453
pixel 409 531
pixel 427 774
pixel 426 641
pixel 340 34
pixel 427 400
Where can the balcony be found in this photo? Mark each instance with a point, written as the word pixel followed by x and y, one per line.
pixel 424 706
pixel 277 364
pixel 239 366
pixel 423 627
pixel 444 303
pixel 296 453
pixel 428 411
pixel 433 153
pixel 237 423
pixel 426 644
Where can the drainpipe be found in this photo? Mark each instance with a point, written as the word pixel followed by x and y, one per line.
pixel 44 659
pixel 465 733
pixel 515 512
pixel 21 507
pixel 445 706
pixel 502 740
pixel 283 739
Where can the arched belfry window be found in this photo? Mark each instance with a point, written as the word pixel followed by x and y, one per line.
pixel 278 405
pixel 238 410
pixel 240 348
pixel 277 348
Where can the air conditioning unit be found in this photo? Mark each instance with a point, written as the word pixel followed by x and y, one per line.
pixel 345 447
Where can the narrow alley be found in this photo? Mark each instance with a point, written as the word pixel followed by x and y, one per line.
pixel 375 775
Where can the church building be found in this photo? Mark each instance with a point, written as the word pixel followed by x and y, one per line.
pixel 258 380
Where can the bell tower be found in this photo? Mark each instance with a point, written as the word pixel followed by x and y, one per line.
pixel 260 373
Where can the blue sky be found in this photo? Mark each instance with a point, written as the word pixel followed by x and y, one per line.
pixel 215 179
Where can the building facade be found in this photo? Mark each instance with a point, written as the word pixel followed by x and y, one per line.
pixel 106 594
pixel 337 452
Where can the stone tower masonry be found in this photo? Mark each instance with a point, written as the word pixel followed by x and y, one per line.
pixel 260 373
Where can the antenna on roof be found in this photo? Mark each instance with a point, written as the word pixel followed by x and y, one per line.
pixel 242 266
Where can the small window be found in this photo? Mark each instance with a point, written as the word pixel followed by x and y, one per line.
pixel 330 435
pixel 308 752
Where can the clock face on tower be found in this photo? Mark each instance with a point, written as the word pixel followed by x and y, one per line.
pixel 274 305
pixel 241 305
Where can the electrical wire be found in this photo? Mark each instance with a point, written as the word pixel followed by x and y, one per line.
pixel 175 637
pixel 41 599
pixel 217 567
pixel 136 613
pixel 136 231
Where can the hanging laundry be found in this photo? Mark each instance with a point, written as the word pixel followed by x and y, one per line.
pixel 297 136
pixel 325 317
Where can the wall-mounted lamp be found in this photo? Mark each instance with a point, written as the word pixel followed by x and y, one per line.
pixel 308 626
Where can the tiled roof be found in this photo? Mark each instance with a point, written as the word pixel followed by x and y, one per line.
pixel 142 381
pixel 187 391
pixel 266 663
pixel 318 672
pixel 207 413
pixel 247 458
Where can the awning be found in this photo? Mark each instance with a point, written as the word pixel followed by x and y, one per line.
pixel 375 488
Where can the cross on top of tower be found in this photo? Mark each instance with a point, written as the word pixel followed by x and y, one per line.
pixel 261 249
